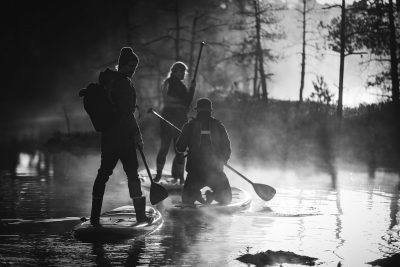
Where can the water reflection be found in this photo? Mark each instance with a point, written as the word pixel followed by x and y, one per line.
pixel 135 251
pixel 394 205
pixel 345 217
pixel 102 258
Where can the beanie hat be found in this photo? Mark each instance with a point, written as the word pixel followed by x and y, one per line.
pixel 127 55
pixel 203 104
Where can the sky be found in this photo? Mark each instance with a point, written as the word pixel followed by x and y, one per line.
pixel 287 72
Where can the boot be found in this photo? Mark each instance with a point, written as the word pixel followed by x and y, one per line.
pixel 96 209
pixel 158 176
pixel 140 209
pixel 209 197
pixel 181 180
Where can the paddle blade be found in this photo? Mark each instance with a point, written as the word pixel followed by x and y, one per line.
pixel 157 193
pixel 265 192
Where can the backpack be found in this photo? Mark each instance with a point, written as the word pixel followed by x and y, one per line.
pixel 97 103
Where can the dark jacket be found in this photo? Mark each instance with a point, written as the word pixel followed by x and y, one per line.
pixel 175 93
pixel 123 96
pixel 208 143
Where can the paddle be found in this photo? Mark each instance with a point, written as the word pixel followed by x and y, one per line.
pixel 265 192
pixel 198 61
pixel 157 192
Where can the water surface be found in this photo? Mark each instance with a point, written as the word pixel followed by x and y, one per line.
pixel 352 218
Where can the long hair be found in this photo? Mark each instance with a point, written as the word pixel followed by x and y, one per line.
pixel 175 66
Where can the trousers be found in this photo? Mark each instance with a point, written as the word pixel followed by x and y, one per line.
pixel 109 160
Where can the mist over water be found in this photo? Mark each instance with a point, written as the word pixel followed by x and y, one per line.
pixel 352 218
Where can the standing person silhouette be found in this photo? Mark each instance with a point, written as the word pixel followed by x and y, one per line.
pixel 119 142
pixel 177 99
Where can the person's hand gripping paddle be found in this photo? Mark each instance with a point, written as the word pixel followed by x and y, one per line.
pixel 157 192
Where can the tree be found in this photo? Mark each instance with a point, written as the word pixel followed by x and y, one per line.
pixel 393 57
pixel 371 27
pixel 259 25
pixel 303 50
pixel 304 11
pixel 321 92
pixel 342 37
pixel 378 36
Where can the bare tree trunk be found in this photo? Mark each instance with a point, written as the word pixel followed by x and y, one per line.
pixel 341 71
pixel 260 51
pixel 303 53
pixel 255 89
pixel 193 40
pixel 393 57
pixel 177 25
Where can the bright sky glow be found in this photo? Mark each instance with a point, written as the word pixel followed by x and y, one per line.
pixel 285 82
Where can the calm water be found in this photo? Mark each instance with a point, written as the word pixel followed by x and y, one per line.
pixel 353 219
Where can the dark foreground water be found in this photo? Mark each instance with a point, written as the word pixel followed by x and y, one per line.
pixel 352 219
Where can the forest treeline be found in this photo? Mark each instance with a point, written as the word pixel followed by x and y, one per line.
pixel 284 134
pixel 245 38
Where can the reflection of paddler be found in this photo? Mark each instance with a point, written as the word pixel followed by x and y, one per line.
pixel 177 99
pixel 209 149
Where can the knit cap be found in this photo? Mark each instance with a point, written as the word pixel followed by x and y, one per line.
pixel 127 55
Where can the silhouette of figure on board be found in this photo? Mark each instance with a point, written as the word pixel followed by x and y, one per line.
pixel 209 149
pixel 119 141
pixel 176 100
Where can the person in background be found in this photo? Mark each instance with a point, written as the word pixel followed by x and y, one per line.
pixel 119 142
pixel 176 99
pixel 209 149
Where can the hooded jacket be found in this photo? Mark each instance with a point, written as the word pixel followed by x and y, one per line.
pixel 123 96
pixel 208 143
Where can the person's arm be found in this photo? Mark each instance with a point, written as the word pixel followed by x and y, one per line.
pixel 125 105
pixel 225 143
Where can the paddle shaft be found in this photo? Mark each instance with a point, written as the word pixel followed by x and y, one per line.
pixel 198 61
pixel 238 173
pixel 176 128
pixel 163 119
pixel 145 164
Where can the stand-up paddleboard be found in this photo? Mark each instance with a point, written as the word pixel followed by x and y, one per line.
pixel 118 223
pixel 241 200
pixel 167 181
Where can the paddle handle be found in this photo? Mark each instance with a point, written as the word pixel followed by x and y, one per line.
pixel 145 164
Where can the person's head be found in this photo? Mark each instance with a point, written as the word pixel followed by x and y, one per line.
pixel 178 70
pixel 127 61
pixel 204 106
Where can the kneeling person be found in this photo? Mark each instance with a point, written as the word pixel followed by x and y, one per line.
pixel 209 149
